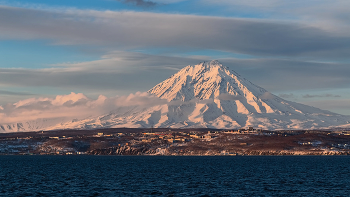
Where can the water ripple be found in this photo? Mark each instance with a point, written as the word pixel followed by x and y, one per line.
pixel 174 176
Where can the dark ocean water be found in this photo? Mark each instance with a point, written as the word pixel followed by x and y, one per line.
pixel 174 176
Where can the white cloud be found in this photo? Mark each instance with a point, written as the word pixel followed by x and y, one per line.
pixel 74 105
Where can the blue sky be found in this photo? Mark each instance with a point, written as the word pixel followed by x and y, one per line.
pixel 295 49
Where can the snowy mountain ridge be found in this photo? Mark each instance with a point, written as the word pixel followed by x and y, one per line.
pixel 207 95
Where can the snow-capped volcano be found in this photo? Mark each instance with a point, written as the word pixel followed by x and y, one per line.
pixel 211 80
pixel 209 95
pixel 207 80
pixel 233 101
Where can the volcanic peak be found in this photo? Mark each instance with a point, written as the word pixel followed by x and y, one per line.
pixel 207 80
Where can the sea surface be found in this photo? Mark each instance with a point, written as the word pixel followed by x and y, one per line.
pixel 174 176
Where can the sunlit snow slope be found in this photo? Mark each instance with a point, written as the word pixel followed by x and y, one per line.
pixel 233 101
pixel 210 95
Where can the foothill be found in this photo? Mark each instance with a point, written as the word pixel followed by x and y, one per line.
pixel 165 141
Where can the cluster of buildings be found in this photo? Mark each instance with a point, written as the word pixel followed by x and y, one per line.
pixel 81 142
pixel 181 137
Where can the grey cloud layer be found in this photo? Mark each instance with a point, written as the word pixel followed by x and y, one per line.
pixel 11 93
pixel 141 3
pixel 142 29
pixel 287 96
pixel 320 96
pixel 284 75
pixel 119 71
pixel 307 96
pixel 123 71
pixel 341 106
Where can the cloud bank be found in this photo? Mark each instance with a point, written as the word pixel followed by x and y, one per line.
pixel 131 30
pixel 114 71
pixel 74 105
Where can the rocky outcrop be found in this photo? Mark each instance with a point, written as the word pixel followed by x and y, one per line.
pixel 123 150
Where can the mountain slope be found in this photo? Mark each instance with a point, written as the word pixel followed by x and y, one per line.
pixel 209 95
